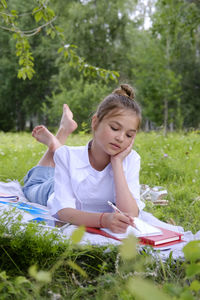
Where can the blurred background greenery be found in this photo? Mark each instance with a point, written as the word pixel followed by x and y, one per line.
pixel 153 45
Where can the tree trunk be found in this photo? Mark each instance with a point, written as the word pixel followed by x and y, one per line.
pixel 165 116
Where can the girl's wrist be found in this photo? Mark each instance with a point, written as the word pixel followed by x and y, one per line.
pixel 101 225
pixel 117 164
pixel 103 220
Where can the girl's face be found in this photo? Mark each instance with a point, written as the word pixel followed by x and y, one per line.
pixel 115 133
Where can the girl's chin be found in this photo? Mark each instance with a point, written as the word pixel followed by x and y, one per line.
pixel 113 152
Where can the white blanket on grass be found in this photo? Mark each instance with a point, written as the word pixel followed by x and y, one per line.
pixel 14 188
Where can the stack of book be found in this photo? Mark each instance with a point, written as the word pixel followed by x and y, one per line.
pixel 157 237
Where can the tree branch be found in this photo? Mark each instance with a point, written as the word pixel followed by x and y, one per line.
pixel 31 32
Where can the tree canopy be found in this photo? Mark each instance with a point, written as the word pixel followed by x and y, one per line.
pixel 54 52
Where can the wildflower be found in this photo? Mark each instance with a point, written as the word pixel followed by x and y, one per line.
pixel 165 155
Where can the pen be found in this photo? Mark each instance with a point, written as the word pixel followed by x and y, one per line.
pixel 119 211
pixel 115 208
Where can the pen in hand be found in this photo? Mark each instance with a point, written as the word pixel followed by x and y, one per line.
pixel 119 211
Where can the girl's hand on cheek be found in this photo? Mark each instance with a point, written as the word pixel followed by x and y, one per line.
pixel 121 155
pixel 117 222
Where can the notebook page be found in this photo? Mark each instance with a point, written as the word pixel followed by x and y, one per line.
pixel 143 229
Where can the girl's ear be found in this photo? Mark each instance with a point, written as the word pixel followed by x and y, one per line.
pixel 95 122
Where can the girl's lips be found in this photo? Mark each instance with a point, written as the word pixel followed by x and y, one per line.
pixel 115 146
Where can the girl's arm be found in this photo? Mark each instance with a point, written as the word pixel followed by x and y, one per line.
pixel 114 221
pixel 124 199
pixel 64 196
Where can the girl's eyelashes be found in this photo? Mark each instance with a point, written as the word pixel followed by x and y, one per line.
pixel 114 128
pixel 128 135
pixel 131 135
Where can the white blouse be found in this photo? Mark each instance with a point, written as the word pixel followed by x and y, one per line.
pixel 78 185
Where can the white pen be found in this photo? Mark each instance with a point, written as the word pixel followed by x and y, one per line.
pixel 115 208
pixel 119 211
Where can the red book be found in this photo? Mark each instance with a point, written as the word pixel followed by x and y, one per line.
pixel 163 246
pixel 168 236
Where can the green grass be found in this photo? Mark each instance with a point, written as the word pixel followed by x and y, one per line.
pixel 172 162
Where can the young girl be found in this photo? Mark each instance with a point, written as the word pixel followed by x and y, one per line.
pixel 76 183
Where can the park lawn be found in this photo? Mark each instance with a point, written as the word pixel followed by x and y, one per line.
pixel 172 162
pixel 34 266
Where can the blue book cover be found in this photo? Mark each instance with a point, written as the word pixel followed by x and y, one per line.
pixel 26 207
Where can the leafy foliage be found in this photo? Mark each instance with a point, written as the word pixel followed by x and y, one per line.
pixel 67 42
pixel 44 17
pixel 38 264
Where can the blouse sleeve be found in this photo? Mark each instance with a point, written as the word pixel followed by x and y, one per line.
pixel 63 193
pixel 132 176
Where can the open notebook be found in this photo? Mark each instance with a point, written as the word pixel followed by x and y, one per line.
pixel 142 229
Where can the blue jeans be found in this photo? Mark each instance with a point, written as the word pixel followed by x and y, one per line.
pixel 39 184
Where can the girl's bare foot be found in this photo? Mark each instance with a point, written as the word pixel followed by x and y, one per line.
pixel 67 124
pixel 44 136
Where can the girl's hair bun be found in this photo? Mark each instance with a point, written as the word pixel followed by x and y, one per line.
pixel 125 90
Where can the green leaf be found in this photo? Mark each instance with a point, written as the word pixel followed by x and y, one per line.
pixel 145 290
pixel 60 49
pixel 76 267
pixel 35 9
pixel 42 276
pixel 77 234
pixel 66 54
pixel 15 36
pixel 195 286
pixel 73 46
pixel 192 251
pixel 59 29
pixel 53 34
pixel 32 271
pixel 21 280
pixel 186 295
pixel 173 290
pixel 4 3
pixel 50 12
pixel 193 270
pixel 14 13
pixel 112 76
pixel 49 30
pixel 3 275
pixel 128 248
pixel 61 35
pixel 21 61
pixel 38 16
pixel 21 74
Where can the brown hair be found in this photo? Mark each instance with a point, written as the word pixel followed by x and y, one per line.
pixel 121 98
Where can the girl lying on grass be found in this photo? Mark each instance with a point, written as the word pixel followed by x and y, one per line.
pixel 76 182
